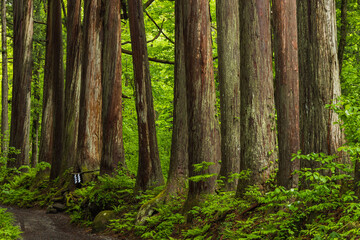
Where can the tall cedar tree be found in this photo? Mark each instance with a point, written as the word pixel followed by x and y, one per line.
pixel 287 90
pixel 4 84
pixel 178 170
pixel 53 100
pixel 149 170
pixel 90 130
pixel 72 84
pixel 204 137
pixel 319 78
pixel 228 23
pixel 20 112
pixel 113 147
pixel 258 136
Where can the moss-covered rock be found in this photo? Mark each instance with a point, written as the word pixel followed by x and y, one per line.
pixel 102 220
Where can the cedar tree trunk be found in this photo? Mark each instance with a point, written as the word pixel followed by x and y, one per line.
pixel 287 90
pixel 20 118
pixel 204 141
pixel 149 170
pixel 72 85
pixel 228 20
pixel 113 146
pixel 258 136
pixel 319 78
pixel 90 131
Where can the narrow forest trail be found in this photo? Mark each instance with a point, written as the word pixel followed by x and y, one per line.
pixel 37 225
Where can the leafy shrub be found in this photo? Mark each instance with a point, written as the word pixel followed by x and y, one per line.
pixel 7 230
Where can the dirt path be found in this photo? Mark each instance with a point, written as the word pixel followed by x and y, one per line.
pixel 37 225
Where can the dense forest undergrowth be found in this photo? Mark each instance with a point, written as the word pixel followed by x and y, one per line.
pixel 328 209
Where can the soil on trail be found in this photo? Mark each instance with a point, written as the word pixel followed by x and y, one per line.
pixel 37 225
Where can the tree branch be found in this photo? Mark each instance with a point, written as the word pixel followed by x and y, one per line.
pixel 150 58
pixel 160 28
pixel 147 4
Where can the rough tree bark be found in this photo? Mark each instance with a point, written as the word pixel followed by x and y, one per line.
pixel 258 137
pixel 20 113
pixel 319 78
pixel 4 83
pixel 204 141
pixel 178 170
pixel 53 106
pixel 113 146
pixel 90 131
pixel 228 20
pixel 72 85
pixel 287 90
pixel 149 170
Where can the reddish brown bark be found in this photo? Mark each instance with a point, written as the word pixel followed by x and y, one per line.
pixel 149 170
pixel 287 90
pixel 90 131
pixel 113 147
pixel 204 142
pixel 258 136
pixel 53 106
pixel 20 113
pixel 72 85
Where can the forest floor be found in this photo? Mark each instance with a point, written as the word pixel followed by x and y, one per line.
pixel 37 225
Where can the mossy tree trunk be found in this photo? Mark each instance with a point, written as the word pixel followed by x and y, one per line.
pixel 258 136
pixel 113 147
pixel 287 90
pixel 319 78
pixel 204 141
pixel 20 112
pixel 149 169
pixel 228 20
pixel 72 84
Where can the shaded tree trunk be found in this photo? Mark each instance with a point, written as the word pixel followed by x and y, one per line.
pixel 343 33
pixel 113 146
pixel 149 170
pixel 53 106
pixel 178 170
pixel 204 141
pixel 319 78
pixel 4 83
pixel 228 20
pixel 258 136
pixel 20 113
pixel 287 90
pixel 72 85
pixel 90 131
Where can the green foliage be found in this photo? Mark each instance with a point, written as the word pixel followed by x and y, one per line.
pixel 106 194
pixel 7 230
pixel 20 186
pixel 322 211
